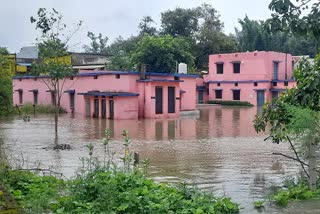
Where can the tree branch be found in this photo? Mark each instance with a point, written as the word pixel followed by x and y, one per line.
pixel 297 156
pixel 292 158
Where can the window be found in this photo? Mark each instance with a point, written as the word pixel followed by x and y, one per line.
pixel 255 84
pixel 35 79
pixel 20 96
pixel 218 84
pixel 236 84
pixel 20 79
pixel 35 97
pixel 117 76
pixel 176 78
pixel 236 67
pixel 71 78
pixel 95 77
pixel 219 68
pixel 71 96
pixel 286 84
pixel 236 94
pixel 218 94
pixel 274 83
pixel 275 70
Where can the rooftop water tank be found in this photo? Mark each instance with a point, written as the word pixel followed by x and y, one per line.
pixel 182 68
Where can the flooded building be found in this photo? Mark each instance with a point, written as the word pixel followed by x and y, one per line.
pixel 114 95
pixel 255 77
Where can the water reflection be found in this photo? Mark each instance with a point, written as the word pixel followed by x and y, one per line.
pixel 218 150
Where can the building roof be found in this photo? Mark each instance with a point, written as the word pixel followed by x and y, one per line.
pixel 109 94
pixel 29 52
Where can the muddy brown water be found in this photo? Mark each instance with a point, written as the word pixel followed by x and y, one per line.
pixel 218 151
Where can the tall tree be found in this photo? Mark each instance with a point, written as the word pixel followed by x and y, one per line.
pixel 146 27
pixel 162 53
pixel 180 22
pixel 97 45
pixel 296 113
pixel 52 46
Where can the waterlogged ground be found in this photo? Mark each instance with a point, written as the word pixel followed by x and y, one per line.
pixel 218 151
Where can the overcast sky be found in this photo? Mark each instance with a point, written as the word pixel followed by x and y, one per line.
pixel 110 17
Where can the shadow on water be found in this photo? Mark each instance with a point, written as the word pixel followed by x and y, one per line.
pixel 217 150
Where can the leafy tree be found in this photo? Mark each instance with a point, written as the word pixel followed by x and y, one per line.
pixel 98 44
pixel 120 53
pixel 180 22
pixel 52 45
pixel 146 28
pixel 288 16
pixel 162 53
pixel 5 82
pixel 254 36
pixel 295 115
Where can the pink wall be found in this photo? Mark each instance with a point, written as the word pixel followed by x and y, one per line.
pixel 255 67
pixel 125 107
pixel 188 101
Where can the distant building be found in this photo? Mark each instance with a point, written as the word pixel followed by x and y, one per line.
pixel 88 61
pixel 255 77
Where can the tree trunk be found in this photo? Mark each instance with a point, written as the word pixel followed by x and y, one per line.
pixel 56 117
pixel 312 166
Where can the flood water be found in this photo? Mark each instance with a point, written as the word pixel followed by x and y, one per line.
pixel 217 150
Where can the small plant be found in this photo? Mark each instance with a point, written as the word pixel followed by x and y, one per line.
pixel 259 204
pixel 26 118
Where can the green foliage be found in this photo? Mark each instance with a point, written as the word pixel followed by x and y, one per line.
pixel 98 44
pixel 98 189
pixel 230 103
pixel 146 28
pixel 259 204
pixel 6 91
pixel 29 108
pixel 254 36
pixel 162 53
pixel 289 16
pixel 34 193
pixel 294 190
pixel 132 192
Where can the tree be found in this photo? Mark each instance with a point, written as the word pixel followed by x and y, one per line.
pixel 254 36
pixel 120 53
pixel 180 22
pixel 288 16
pixel 146 28
pixel 52 46
pixel 162 53
pixel 5 81
pixel 295 116
pixel 98 44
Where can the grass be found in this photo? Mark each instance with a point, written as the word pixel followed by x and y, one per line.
pixel 230 103
pixel 29 108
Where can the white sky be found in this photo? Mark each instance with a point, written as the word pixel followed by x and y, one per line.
pixel 110 17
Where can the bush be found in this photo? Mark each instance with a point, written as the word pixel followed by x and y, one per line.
pixel 108 188
pixel 28 108
pixel 230 103
pixel 293 190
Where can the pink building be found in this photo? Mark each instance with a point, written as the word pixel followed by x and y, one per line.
pixel 115 95
pixel 255 77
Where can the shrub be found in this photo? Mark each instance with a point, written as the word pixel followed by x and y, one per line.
pixel 294 190
pixel 230 103
pixel 29 108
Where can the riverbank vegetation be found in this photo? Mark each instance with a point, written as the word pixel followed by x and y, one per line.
pixel 230 103
pixel 107 187
pixel 29 108
pixel 295 190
